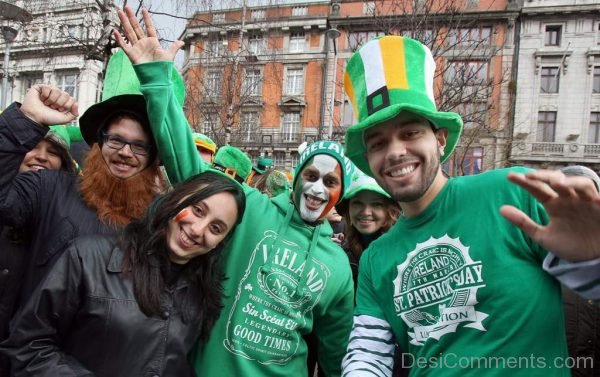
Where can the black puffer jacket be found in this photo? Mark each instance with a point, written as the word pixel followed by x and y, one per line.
pixel 46 204
pixel 83 320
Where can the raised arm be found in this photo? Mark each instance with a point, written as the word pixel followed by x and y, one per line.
pixel 21 129
pixel 154 68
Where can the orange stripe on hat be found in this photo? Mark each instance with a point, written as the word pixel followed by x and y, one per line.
pixel 350 92
pixel 394 65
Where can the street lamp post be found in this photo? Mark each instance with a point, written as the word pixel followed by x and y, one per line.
pixel 10 15
pixel 9 34
pixel 332 34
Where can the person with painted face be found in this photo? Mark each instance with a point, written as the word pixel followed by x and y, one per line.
pixel 137 305
pixel 286 278
pixel 51 153
pixel 120 177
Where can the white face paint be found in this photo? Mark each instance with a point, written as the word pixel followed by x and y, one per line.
pixel 318 185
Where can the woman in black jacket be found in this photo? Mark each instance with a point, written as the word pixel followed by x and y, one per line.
pixel 133 306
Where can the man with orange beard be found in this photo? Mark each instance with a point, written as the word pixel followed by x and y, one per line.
pixel 120 178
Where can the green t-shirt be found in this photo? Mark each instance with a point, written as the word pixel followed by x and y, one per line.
pixel 463 289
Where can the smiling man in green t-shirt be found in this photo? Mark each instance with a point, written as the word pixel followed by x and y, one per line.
pixel 460 288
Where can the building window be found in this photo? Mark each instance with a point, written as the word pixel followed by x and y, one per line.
pixel 294 81
pixel 466 72
pixel 596 82
pixel 297 42
pixel 598 33
pixel 546 126
pixel 553 35
pixel 463 162
pixel 299 11
pixel 594 130
pixel 67 81
pixel 252 82
pixel 473 113
pixel 218 17
pixel 210 123
pixel 291 125
pixel 30 80
pixel 348 118
pixel 257 14
pixel 470 37
pixel 279 159
pixel 255 44
pixel 294 159
pixel 369 8
pixel 357 39
pixel 549 80
pixel 249 124
pixel 216 47
pixel 212 83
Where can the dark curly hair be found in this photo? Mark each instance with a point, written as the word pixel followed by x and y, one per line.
pixel 146 254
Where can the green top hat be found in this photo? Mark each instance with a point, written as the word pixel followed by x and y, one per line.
pixel 121 94
pixel 233 162
pixel 204 141
pixel 386 76
pixel 262 164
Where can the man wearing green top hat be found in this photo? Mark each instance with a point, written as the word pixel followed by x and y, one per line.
pixel 285 277
pixel 460 288
pixel 119 179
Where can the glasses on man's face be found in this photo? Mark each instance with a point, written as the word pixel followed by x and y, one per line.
pixel 117 142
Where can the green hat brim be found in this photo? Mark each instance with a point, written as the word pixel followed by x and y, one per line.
pixel 94 119
pixel 355 145
pixel 353 191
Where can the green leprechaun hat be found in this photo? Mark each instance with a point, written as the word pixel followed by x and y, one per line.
pixel 360 182
pixel 233 162
pixel 262 164
pixel 385 77
pixel 204 141
pixel 121 93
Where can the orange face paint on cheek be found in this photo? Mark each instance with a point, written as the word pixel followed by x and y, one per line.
pixel 181 215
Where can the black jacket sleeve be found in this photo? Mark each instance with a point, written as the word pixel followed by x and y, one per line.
pixel 19 196
pixel 37 330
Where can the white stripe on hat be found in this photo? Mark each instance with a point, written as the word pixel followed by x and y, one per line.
pixel 370 54
pixel 429 72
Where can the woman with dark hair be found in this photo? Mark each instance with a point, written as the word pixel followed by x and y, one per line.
pixel 134 306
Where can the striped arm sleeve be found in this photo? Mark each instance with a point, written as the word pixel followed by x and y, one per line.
pixel 581 277
pixel 370 349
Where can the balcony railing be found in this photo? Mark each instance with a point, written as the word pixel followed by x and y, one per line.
pixel 554 148
pixel 566 151
pixel 266 138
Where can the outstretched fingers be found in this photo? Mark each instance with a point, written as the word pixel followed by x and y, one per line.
pixel 519 219
pixel 135 24
pixel 149 23
pixel 537 188
pixel 126 25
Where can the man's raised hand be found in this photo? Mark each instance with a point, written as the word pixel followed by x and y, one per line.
pixel 143 46
pixel 48 105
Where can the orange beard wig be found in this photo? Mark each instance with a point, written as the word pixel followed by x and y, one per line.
pixel 118 201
